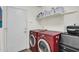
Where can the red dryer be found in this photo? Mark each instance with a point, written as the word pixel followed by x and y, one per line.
pixel 48 41
pixel 34 38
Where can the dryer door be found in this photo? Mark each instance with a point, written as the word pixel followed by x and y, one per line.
pixel 32 41
pixel 43 46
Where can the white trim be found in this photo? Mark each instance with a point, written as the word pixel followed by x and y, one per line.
pixel 32 45
pixel 20 7
pixel 47 44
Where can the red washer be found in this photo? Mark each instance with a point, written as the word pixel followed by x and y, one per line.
pixel 48 41
pixel 34 38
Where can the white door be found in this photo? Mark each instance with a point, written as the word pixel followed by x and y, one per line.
pixel 16 31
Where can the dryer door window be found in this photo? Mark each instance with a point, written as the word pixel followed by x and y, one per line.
pixel 32 41
pixel 43 46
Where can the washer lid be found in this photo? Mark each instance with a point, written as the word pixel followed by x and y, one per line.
pixel 43 46
pixel 32 40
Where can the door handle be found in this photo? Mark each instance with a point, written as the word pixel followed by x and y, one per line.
pixel 5 28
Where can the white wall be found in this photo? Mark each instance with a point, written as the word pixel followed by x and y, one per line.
pixel 55 23
pixel 32 21
pixel 71 18
pixel 59 23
